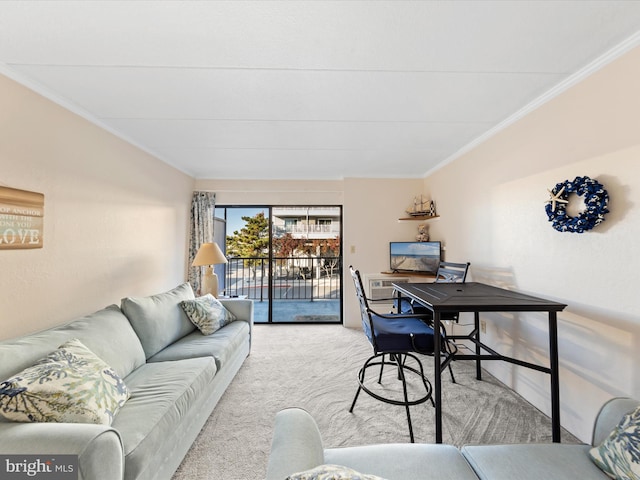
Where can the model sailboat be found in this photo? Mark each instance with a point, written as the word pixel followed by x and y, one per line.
pixel 420 207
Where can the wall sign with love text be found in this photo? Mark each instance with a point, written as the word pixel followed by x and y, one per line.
pixel 21 218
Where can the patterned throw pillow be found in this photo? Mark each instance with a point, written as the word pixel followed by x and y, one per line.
pixel 619 455
pixel 331 472
pixel 207 313
pixel 70 385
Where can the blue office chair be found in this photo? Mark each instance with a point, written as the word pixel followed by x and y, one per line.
pixel 395 338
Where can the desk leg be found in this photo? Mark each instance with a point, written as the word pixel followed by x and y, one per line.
pixel 476 316
pixel 437 384
pixel 555 380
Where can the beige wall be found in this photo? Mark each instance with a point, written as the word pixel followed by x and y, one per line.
pixel 274 192
pixel 371 213
pixel 115 222
pixel 492 206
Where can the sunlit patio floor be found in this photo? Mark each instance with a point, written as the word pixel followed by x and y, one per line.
pixel 298 311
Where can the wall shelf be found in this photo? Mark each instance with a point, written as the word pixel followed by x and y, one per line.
pixel 419 217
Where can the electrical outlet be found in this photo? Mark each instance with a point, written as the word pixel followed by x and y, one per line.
pixel 483 326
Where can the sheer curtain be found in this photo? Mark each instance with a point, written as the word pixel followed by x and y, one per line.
pixel 202 210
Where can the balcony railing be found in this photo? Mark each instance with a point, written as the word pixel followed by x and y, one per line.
pixel 295 278
pixel 329 229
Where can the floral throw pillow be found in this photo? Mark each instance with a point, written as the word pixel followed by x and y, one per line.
pixel 331 472
pixel 207 313
pixel 619 454
pixel 70 385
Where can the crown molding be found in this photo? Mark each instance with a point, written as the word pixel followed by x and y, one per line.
pixel 72 107
pixel 616 52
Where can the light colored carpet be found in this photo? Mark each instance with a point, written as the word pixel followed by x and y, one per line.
pixel 315 367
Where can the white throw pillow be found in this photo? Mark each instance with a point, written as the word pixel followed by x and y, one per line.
pixel 207 313
pixel 619 454
pixel 331 472
pixel 70 385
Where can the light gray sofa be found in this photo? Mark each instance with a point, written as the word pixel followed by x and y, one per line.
pixel 297 446
pixel 175 375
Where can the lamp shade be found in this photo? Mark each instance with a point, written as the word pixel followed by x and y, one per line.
pixel 209 254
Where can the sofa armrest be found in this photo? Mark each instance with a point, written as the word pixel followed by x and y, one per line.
pixel 99 447
pixel 609 416
pixel 296 446
pixel 240 307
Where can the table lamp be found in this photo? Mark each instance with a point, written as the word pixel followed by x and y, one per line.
pixel 209 254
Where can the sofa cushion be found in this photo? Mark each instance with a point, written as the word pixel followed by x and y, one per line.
pixel 207 313
pixel 162 395
pixel 70 385
pixel 619 454
pixel 158 319
pixel 413 461
pixel 331 472
pixel 99 332
pixel 221 345
pixel 532 462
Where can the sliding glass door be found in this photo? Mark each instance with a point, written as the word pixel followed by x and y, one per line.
pixel 288 259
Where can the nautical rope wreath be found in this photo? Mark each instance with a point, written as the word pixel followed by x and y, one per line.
pixel 596 199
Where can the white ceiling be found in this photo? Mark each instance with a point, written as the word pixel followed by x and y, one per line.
pixel 308 89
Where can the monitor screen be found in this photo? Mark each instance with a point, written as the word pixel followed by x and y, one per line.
pixel 423 257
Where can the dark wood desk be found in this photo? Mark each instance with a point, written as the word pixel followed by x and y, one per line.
pixel 478 297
